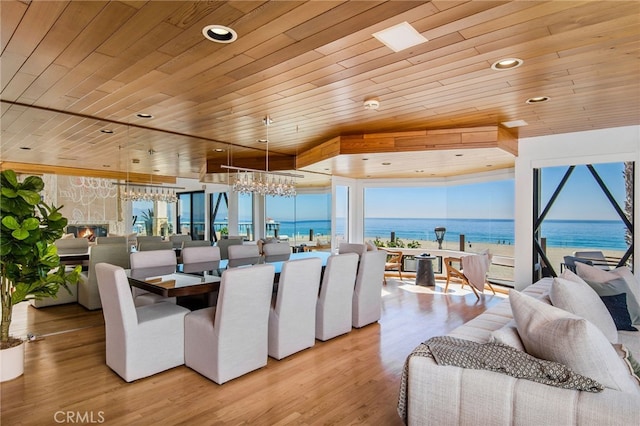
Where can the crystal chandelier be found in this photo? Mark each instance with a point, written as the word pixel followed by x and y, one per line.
pixel 149 193
pixel 264 182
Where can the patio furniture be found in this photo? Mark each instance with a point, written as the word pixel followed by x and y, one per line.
pixel 393 262
pixel 473 271
pixel 231 339
pixel 140 341
pixel 335 303
pixel 292 319
pixel 367 297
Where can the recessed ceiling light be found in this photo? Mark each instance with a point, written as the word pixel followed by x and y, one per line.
pixel 107 131
pixel 263 140
pixel 538 99
pixel 156 170
pixel 400 37
pixel 514 123
pixel 135 161
pixel 419 171
pixel 219 150
pixel 219 34
pixel 506 64
pixel 386 164
pixel 364 159
pixel 459 155
pixel 106 165
pixel 144 115
pixel 26 148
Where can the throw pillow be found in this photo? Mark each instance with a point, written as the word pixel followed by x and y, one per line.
pixel 607 283
pixel 633 365
pixel 631 280
pixel 617 306
pixel 579 298
pixel 556 335
pixel 507 335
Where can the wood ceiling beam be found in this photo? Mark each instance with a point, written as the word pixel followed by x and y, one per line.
pixel 39 169
pixel 420 140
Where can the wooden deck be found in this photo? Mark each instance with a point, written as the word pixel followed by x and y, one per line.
pixel 352 379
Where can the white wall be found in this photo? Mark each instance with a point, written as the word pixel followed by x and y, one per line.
pixel 596 146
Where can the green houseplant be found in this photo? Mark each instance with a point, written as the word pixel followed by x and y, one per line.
pixel 29 264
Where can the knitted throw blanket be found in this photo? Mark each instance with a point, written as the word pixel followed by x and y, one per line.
pixel 496 357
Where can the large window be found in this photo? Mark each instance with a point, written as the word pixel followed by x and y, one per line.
pixel 245 216
pixel 191 214
pixel 304 218
pixel 583 208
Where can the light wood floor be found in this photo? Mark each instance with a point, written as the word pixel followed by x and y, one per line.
pixel 352 379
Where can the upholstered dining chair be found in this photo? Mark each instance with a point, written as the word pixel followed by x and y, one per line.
pixel 196 243
pixel 240 255
pixel 276 252
pixel 224 245
pixel 72 245
pixel 139 341
pixel 149 263
pixel 231 339
pixel 367 294
pixel 114 254
pixel 393 262
pixel 334 307
pixel 200 259
pixel 155 245
pixel 148 239
pixel 178 239
pixel 292 319
pixel 359 249
pixel 112 240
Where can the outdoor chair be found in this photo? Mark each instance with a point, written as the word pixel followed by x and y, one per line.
pixel 231 339
pixel 393 263
pixel 473 271
pixel 292 319
pixel 140 341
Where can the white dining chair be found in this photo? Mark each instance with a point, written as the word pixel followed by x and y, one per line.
pixel 146 264
pixel 231 339
pixel 114 254
pixel 147 239
pixel 292 319
pixel 367 294
pixel 334 306
pixel 246 254
pixel 178 239
pixel 359 249
pixel 139 341
pixel 155 245
pixel 200 259
pixel 224 245
pixel 111 240
pixel 276 252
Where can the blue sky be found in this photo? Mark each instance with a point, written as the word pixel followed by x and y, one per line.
pixel 581 199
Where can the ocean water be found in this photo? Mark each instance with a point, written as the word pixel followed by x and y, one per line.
pixel 599 234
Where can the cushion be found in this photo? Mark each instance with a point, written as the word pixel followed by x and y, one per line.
pixel 556 335
pixel 577 297
pixel 507 335
pixel 617 306
pixel 633 365
pixel 610 283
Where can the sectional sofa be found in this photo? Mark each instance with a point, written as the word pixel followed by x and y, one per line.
pixel 451 395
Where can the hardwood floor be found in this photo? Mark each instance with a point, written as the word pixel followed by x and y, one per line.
pixel 353 379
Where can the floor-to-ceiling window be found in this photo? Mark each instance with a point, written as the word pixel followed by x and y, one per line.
pixel 583 208
pixel 191 214
pixel 300 219
pixel 219 215
pixel 245 217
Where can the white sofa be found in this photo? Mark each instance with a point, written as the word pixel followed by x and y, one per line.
pixel 449 395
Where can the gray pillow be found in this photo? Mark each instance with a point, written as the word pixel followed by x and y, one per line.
pixel 556 335
pixel 577 297
pixel 610 284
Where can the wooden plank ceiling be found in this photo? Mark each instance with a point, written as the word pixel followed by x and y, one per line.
pixel 71 69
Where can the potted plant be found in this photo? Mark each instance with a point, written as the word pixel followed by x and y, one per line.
pixel 29 264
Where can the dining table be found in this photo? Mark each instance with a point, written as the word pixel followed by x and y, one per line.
pixel 179 284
